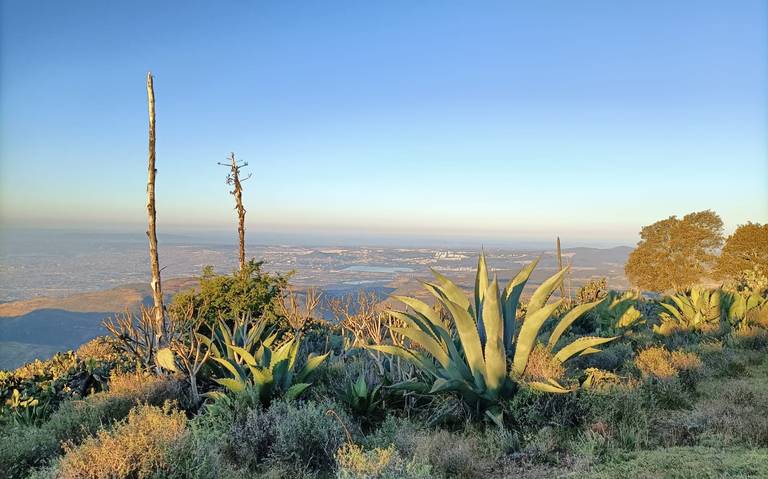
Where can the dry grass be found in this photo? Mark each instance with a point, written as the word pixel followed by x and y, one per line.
pixel 137 448
pixel 542 365
pixel 655 362
pixel 683 361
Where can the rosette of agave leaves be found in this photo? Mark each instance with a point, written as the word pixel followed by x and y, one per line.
pixel 482 349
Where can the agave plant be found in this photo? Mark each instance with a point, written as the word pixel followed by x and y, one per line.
pixel 699 310
pixel 617 313
pixel 747 310
pixel 270 373
pixel 363 399
pixel 481 353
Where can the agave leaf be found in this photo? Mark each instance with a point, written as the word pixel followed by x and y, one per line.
pixel 229 367
pixel 481 285
pixel 313 361
pixel 245 355
pixel 427 342
pixel 295 391
pixel 526 340
pixel 166 359
pixel 284 352
pixel 411 385
pixel 360 387
pixel 495 356
pixel 496 415
pixel 512 294
pixel 549 388
pixel 261 376
pixel 451 291
pixel 543 292
pixel 442 384
pixel 567 320
pixel 580 345
pixel 417 322
pixel 421 308
pixel 232 384
pixel 589 351
pixel 470 340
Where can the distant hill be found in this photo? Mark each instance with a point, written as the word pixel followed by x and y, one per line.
pixel 37 328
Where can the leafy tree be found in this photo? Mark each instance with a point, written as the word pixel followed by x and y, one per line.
pixel 674 254
pixel 249 292
pixel 746 249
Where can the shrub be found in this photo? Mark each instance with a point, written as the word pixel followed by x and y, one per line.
pixel 657 362
pixel 353 462
pixel 247 293
pixel 25 447
pixel 288 435
pixel 137 448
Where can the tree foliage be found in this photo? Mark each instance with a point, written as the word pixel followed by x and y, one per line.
pixel 674 254
pixel 746 249
pixel 246 293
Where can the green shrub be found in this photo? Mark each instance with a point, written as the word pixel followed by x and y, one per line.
pixel 247 293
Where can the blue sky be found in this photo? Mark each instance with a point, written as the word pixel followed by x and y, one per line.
pixel 489 120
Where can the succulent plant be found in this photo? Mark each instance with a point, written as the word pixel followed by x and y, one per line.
pixel 699 311
pixel 480 352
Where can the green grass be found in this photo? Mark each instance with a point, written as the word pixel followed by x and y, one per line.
pixel 685 463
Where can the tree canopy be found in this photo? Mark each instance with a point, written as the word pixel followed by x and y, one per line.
pixel 674 254
pixel 746 249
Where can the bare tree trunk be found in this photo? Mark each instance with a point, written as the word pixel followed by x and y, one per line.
pixel 560 266
pixel 157 291
pixel 238 192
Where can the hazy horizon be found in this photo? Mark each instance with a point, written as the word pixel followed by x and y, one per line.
pixel 415 120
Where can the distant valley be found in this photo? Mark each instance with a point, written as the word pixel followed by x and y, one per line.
pixel 36 323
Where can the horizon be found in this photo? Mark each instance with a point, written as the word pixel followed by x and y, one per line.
pixel 434 123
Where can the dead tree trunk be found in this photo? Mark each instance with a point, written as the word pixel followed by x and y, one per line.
pixel 560 267
pixel 157 290
pixel 234 179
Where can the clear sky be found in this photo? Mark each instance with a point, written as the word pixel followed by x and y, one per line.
pixel 515 120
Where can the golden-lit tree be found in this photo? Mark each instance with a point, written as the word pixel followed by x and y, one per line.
pixel 674 254
pixel 746 249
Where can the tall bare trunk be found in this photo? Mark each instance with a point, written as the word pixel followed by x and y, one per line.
pixel 157 290
pixel 560 266
pixel 238 192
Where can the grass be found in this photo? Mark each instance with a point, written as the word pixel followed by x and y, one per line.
pixel 685 463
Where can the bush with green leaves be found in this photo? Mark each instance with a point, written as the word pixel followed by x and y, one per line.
pixel 482 354
pixel 247 293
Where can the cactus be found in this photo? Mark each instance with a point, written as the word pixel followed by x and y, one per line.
pixel 482 356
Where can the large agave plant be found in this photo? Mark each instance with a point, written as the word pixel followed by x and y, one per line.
pixel 699 310
pixel 481 353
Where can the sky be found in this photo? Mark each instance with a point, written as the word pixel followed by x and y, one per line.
pixel 483 120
